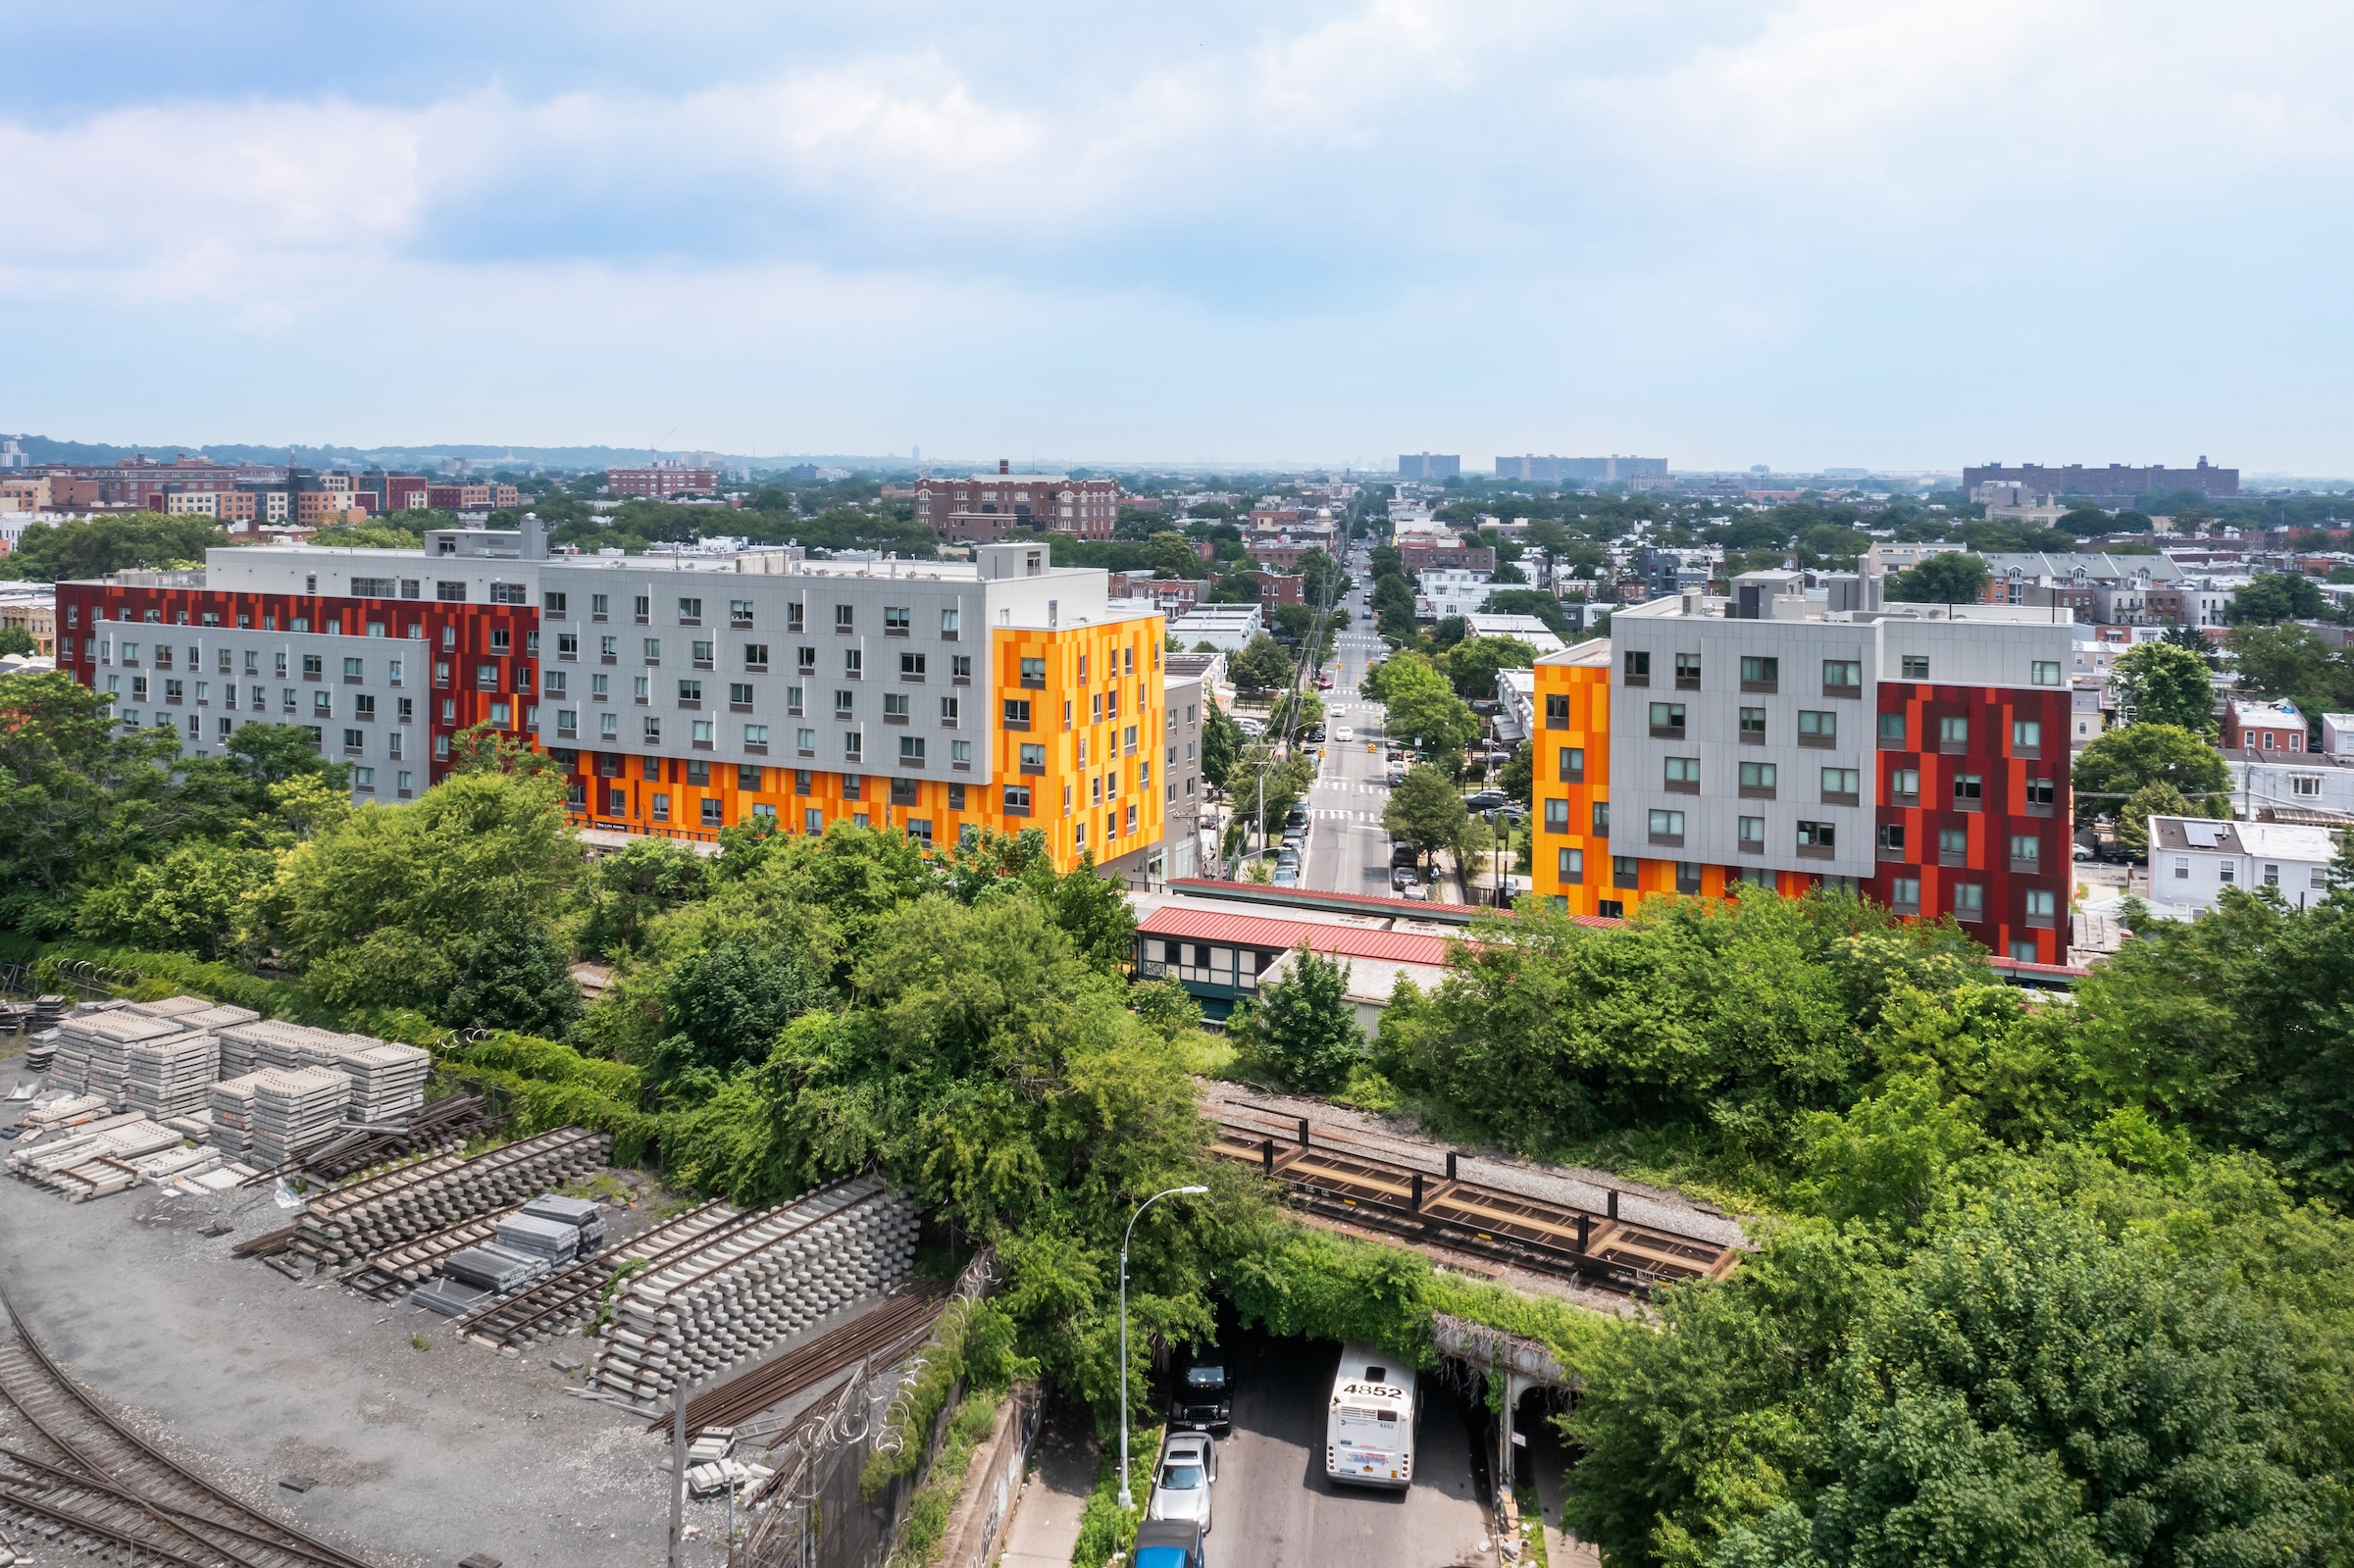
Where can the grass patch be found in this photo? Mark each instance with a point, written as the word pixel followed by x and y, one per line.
pixel 927 1511
pixel 1105 1527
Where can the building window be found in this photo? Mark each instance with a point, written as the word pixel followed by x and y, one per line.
pixel 1970 901
pixel 845 617
pixel 1557 816
pixel 1953 732
pixel 453 592
pixel 1752 727
pixel 1916 667
pixel 1638 669
pixel 813 821
pixel 2026 737
pixel 1666 827
pixel 713 813
pixel 1758 779
pixel 756 734
pixel 1625 871
pixel 1574 764
pixel 1818 729
pixel 1687 876
pixel 2046 672
pixel 2181 868
pixel 1904 892
pixel 1570 867
pixel 1969 791
pixel 1668 720
pixel 1892 839
pixel 1683 776
pixel 1953 846
pixel 1841 786
pixel 1687 671
pixel 1557 712
pixel 1760 674
pixel 2042 905
pixel 2026 852
pixel 2226 871
pixel 1818 839
pixel 1602 819
pixel 1752 836
pixel 912 751
pixel 1892 729
pixel 853 745
pixel 1904 786
pixel 1017 713
pixel 1842 678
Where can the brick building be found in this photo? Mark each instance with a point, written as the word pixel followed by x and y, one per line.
pixel 987 507
pixel 659 481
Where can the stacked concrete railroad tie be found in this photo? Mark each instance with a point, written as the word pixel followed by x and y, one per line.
pixel 290 1109
pixel 386 1080
pixel 754 1286
pixel 443 1190
pixel 171 1077
pixel 91 1048
pixel 233 1116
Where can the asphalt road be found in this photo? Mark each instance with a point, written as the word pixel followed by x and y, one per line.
pixel 1348 851
pixel 1274 1508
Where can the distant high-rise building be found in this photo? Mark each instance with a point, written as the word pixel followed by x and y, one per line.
pixel 1429 466
pixel 2113 486
pixel 1532 468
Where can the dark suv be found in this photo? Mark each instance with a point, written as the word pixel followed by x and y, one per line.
pixel 1203 1397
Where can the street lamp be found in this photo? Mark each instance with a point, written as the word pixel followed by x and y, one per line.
pixel 1126 1499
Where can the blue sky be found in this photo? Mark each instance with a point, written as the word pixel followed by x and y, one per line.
pixel 1821 232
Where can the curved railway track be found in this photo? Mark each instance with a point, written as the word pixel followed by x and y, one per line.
pixel 80 1473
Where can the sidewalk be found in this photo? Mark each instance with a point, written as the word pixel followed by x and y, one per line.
pixel 1045 1518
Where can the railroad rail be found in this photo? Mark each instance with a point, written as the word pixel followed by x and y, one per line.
pixel 1331 1174
pixel 87 1476
pixel 883 1333
pixel 574 1287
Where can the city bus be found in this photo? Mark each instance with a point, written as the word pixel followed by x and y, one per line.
pixel 1369 1430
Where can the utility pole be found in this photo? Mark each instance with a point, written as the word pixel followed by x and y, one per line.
pixel 678 1466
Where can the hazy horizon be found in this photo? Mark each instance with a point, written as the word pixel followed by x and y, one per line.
pixel 1817 233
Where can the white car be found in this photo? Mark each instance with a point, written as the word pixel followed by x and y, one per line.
pixel 1189 1464
pixel 1343 735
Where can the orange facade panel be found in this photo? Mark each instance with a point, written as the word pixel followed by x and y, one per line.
pixel 1571 787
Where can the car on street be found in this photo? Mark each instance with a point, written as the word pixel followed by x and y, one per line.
pixel 1420 895
pixel 1394 778
pixel 1343 735
pixel 1403 877
pixel 1486 800
pixel 1168 1544
pixel 1181 1486
pixel 1202 1399
pixel 1287 876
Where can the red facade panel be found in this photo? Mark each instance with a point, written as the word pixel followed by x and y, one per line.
pixel 1988 768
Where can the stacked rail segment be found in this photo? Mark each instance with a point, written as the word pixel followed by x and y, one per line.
pixel 351 1223
pixel 709 1307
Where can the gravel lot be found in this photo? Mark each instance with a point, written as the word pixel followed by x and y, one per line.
pixel 420 1457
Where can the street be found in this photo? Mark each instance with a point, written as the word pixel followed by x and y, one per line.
pixel 1274 1506
pixel 1347 850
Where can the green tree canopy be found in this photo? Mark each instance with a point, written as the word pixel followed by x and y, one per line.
pixel 2158 683
pixel 2276 597
pixel 1221 744
pixel 2133 755
pixel 93 547
pixel 1261 666
pixel 1422 708
pixel 16 640
pixel 1303 1028
pixel 1945 578
pixel 1471 664
pixel 1424 809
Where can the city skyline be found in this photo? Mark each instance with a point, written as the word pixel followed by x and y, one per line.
pixel 1810 234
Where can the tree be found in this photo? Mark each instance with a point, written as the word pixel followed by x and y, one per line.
pixel 95 547
pixel 728 1003
pixel 479 749
pixel 195 900
pixel 2085 521
pixel 1261 665
pixel 16 640
pixel 2121 762
pixel 1303 1028
pixel 2276 597
pixel 1517 778
pixel 1531 601
pixel 1171 556
pixel 1294 620
pixel 1221 744
pixel 1422 707
pixel 2157 683
pixel 516 978
pixel 2157 798
pixel 2293 661
pixel 1426 810
pixel 78 798
pixel 1944 579
pixel 1471 664
pixel 628 887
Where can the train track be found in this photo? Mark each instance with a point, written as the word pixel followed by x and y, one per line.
pixel 1327 1172
pixel 79 1474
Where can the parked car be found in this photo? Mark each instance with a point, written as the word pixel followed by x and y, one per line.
pixel 1168 1544
pixel 1287 876
pixel 1181 1486
pixel 1296 817
pixel 1420 895
pixel 1403 877
pixel 1395 778
pixel 1202 1399
pixel 1486 800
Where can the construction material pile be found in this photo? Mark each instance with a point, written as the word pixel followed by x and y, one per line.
pixel 90 1157
pixel 558 1305
pixel 171 1076
pixel 293 1108
pixel 712 1306
pixel 388 1080
pixel 232 1110
pixel 588 1221
pixel 441 1190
